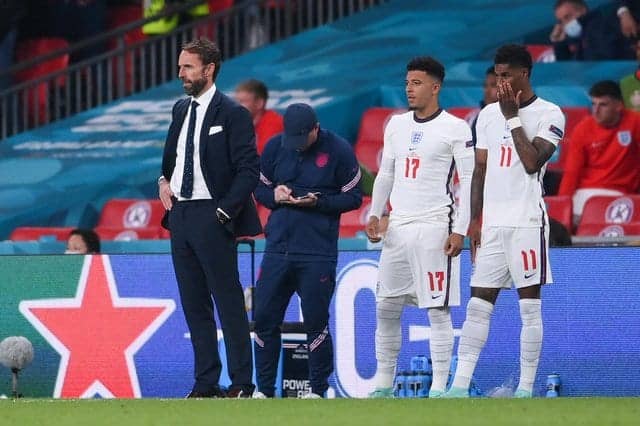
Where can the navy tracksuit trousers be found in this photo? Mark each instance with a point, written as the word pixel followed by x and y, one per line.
pixel 314 282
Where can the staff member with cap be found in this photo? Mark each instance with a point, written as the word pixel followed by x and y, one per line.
pixel 210 168
pixel 308 177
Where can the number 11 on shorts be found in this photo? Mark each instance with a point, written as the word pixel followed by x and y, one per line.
pixel 436 279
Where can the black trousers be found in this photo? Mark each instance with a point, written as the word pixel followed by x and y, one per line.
pixel 206 264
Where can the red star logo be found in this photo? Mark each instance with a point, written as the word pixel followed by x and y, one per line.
pixel 97 333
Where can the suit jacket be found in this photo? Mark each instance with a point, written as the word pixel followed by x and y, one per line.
pixel 228 158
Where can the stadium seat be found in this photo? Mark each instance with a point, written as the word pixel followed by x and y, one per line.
pixel 128 234
pixel 573 116
pixel 609 210
pixel 370 138
pixel 119 16
pixel 354 221
pixel 131 214
pixel 609 230
pixel 264 213
pixel 560 208
pixel 38 96
pixel 34 233
pixel 541 52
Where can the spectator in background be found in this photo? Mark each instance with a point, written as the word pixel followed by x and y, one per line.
pixel 629 13
pixel 83 241
pixel 253 95
pixel 308 177
pixel 78 20
pixel 588 35
pixel 489 96
pixel 603 151
pixel 630 85
pixel 11 11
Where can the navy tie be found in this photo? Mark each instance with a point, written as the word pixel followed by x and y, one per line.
pixel 186 190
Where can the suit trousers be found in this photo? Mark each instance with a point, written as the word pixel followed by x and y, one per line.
pixel 206 264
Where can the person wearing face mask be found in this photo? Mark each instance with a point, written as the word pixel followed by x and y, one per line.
pixel 587 35
pixel 83 241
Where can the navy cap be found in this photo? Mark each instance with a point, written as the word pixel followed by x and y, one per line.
pixel 299 120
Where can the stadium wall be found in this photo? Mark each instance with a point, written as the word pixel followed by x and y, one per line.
pixel 111 326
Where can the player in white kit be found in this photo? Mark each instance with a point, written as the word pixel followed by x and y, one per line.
pixel 419 264
pixel 516 136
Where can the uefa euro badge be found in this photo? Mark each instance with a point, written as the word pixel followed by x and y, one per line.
pixel 416 138
pixel 624 137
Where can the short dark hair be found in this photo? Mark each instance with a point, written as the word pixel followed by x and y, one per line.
pixel 208 52
pixel 490 71
pixel 90 238
pixel 258 88
pixel 429 65
pixel 514 55
pixel 573 2
pixel 606 88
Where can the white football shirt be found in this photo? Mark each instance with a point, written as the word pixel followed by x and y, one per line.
pixel 512 197
pixel 419 157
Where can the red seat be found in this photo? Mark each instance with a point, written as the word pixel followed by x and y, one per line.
pixel 38 97
pixel 468 114
pixel 128 234
pixel 370 138
pixel 34 233
pixel 609 230
pixel 117 17
pixel 560 208
pixel 354 221
pixel 573 116
pixel 541 52
pixel 264 213
pixel 601 211
pixel 131 214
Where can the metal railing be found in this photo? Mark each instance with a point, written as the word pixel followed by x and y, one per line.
pixel 134 64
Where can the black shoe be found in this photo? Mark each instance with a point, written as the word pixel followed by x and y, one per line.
pixel 240 392
pixel 213 393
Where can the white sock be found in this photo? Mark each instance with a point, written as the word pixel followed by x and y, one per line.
pixel 530 341
pixel 388 339
pixel 474 335
pixel 441 346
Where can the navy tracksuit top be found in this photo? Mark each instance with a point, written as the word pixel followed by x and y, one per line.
pixel 329 167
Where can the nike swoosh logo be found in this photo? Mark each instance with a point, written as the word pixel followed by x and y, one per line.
pixel 435 297
pixel 526 277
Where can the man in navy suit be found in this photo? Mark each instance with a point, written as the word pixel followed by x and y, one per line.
pixel 210 167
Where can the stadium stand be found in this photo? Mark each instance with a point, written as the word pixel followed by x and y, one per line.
pixel 371 136
pixel 128 234
pixel 541 52
pixel 38 97
pixel 123 213
pixel 35 233
pixel 601 211
pixel 560 208
pixel 466 113
pixel 353 223
pixel 609 230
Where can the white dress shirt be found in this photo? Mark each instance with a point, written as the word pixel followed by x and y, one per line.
pixel 200 190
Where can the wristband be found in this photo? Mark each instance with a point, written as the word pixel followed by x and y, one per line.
pixel 514 123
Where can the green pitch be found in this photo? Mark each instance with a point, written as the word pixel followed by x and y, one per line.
pixel 351 412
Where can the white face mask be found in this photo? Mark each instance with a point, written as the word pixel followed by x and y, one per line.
pixel 573 29
pixel 71 252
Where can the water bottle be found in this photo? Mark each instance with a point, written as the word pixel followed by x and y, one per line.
pixel 553 385
pixel 401 385
pixel 410 389
pixel 419 364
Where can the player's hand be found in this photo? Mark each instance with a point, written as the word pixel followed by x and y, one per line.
pixel 453 245
pixel 282 194
pixel 373 229
pixel 309 200
pixel 557 34
pixel 628 25
pixel 474 235
pixel 508 100
pixel 165 193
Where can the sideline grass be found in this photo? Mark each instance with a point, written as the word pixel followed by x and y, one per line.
pixel 351 412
